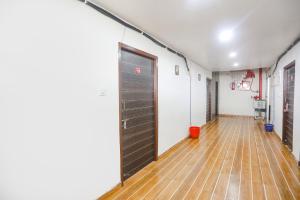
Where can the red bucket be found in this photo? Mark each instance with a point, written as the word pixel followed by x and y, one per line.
pixel 194 132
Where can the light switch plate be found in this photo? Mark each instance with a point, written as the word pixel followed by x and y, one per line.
pixel 177 70
pixel 101 92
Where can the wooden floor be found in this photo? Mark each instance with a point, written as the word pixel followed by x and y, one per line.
pixel 233 159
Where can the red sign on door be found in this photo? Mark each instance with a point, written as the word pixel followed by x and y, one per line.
pixel 137 70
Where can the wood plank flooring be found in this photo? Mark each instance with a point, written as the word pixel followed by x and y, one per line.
pixel 233 159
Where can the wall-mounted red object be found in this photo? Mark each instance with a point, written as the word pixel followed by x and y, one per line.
pixel 232 85
pixel 249 74
pixel 260 83
pixel 256 97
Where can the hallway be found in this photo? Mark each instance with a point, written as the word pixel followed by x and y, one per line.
pixel 100 99
pixel 233 159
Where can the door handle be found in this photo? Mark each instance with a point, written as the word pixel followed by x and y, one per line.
pixel 124 120
pixel 286 109
pixel 123 105
pixel 124 123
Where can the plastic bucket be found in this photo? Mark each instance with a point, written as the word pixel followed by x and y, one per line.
pixel 194 132
pixel 269 127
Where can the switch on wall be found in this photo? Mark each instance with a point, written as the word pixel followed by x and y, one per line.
pixel 101 92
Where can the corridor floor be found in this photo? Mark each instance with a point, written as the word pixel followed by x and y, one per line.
pixel 233 159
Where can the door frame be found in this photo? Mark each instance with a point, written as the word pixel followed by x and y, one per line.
pixel 285 79
pixel 126 47
pixel 217 98
pixel 208 80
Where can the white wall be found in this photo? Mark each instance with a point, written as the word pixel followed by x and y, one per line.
pixel 277 98
pixel 235 102
pixel 58 139
pixel 198 94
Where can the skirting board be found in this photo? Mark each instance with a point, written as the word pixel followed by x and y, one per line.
pixel 174 146
pixel 105 195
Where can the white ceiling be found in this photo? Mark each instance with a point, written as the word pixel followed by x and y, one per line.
pixel 262 29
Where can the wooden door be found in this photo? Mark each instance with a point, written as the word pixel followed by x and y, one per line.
pixel 288 104
pixel 138 110
pixel 208 100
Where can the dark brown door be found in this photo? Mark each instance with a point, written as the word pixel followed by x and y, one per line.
pixel 208 100
pixel 138 110
pixel 288 104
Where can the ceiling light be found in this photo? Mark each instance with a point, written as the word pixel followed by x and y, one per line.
pixel 236 64
pixel 225 35
pixel 232 54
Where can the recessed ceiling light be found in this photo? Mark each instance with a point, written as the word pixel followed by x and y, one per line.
pixel 236 64
pixel 226 35
pixel 232 54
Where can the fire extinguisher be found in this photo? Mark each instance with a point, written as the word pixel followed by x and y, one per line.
pixel 233 86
